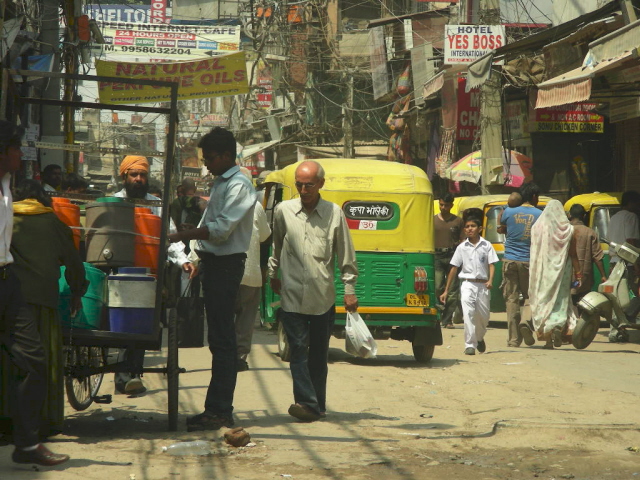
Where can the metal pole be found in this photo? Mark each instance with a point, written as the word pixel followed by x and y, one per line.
pixel 172 340
pixel 490 108
pixel 348 148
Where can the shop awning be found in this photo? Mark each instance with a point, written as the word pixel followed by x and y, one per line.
pixel 378 22
pixel 575 85
pixel 434 85
pixel 538 40
pixel 250 150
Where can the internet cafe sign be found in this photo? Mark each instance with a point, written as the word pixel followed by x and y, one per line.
pixel 467 43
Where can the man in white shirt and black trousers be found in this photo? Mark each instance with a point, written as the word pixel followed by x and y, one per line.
pixel 18 331
pixel 309 235
pixel 223 235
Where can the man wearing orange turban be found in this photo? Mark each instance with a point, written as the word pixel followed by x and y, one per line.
pixel 134 172
pixel 134 162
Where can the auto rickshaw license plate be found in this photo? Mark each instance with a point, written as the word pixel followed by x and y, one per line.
pixel 413 300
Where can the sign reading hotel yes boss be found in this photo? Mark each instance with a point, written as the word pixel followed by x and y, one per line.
pixel 467 43
pixel 208 77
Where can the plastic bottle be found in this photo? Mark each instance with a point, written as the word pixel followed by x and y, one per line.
pixel 199 447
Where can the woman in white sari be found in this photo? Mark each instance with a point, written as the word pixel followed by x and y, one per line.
pixel 552 268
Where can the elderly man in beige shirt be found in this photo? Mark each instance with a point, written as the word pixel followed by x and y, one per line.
pixel 308 234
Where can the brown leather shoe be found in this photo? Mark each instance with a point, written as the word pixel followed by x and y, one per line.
pixel 303 412
pixel 41 456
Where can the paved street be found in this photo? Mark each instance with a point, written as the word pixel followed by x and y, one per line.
pixel 512 413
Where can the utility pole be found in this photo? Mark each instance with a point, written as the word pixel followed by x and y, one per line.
pixel 490 108
pixel 50 125
pixel 347 120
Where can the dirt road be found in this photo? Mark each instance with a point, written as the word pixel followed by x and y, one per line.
pixel 511 413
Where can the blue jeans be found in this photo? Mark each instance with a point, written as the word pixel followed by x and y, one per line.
pixel 220 283
pixel 308 337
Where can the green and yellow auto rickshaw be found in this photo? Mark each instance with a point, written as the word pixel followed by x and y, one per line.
pixel 389 210
pixel 600 207
pixel 492 206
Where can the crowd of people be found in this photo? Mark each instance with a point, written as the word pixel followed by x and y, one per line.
pixel 548 260
pixel 220 243
pixel 222 236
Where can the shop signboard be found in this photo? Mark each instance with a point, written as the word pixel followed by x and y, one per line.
pixel 378 59
pixel 158 11
pixel 191 172
pixel 119 13
pixel 219 76
pixel 468 111
pixel 467 43
pixel 571 118
pixel 516 117
pixel 160 41
pixel 265 86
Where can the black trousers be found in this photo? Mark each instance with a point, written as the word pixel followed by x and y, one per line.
pixel 220 283
pixel 19 336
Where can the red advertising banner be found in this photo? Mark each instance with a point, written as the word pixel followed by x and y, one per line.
pixel 158 11
pixel 468 111
pixel 570 118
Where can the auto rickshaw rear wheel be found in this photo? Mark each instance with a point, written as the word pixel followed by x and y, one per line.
pixel 586 330
pixel 423 353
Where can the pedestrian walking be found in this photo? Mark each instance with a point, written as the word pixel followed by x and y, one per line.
pixel 248 298
pixel 624 226
pixel 308 234
pixel 18 332
pixel 588 250
pixel 554 266
pixel 223 235
pixel 447 229
pixel 515 265
pixel 474 258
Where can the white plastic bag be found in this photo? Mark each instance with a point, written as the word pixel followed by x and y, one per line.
pixel 358 338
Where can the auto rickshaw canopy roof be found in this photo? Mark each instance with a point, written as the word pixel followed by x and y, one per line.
pixel 362 175
pixel 480 201
pixel 403 188
pixel 589 200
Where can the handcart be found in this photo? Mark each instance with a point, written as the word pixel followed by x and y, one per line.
pixel 86 350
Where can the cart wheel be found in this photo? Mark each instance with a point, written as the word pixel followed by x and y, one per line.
pixel 586 330
pixel 423 353
pixel 81 389
pixel 283 344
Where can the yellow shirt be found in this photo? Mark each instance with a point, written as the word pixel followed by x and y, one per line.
pixel 305 246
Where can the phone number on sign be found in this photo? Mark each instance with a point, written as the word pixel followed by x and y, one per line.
pixel 165 50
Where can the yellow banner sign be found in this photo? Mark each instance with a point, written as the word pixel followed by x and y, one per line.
pixel 211 77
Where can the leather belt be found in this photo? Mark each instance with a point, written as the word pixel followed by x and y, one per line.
pixel 476 280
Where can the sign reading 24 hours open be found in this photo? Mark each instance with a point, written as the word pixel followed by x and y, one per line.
pixel 467 43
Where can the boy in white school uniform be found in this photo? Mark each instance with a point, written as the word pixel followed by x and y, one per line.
pixel 475 259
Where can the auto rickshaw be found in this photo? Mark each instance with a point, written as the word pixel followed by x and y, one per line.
pixel 600 207
pixel 492 205
pixel 389 210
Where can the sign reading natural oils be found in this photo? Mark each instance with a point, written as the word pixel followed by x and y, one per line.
pixel 219 76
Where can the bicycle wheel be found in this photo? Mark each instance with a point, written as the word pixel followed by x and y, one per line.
pixel 81 388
